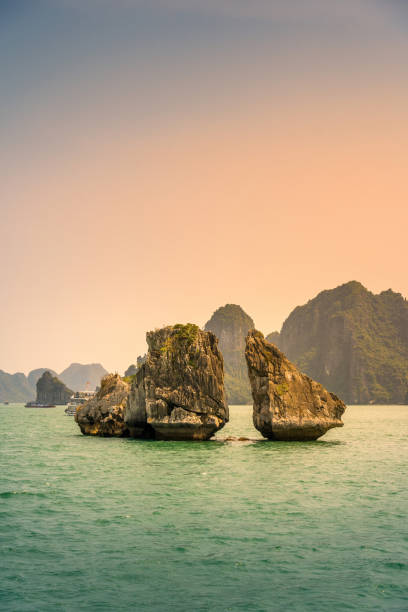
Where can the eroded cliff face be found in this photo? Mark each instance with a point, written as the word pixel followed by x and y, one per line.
pixel 288 405
pixel 178 392
pixel 231 324
pixel 50 390
pixel 103 415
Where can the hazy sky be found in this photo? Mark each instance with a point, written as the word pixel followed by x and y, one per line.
pixel 160 158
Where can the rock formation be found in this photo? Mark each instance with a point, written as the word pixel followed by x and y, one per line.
pixel 50 390
pixel 231 324
pixel 351 341
pixel 178 392
pixel 21 388
pixel 288 405
pixel 103 415
pixel 34 376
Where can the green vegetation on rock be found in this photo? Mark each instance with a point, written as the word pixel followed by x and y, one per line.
pixel 182 336
pixel 281 388
pixel 129 379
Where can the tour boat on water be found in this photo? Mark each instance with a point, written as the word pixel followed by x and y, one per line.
pixel 38 405
pixel 79 398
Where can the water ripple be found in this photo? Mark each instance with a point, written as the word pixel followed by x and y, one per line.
pixel 98 524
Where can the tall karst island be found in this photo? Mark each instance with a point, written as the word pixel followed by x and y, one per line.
pixel 231 324
pixel 51 390
pixel 353 342
pixel 177 393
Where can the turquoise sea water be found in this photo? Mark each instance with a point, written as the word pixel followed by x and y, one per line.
pixel 111 524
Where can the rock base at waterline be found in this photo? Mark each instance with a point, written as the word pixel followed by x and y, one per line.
pixel 288 405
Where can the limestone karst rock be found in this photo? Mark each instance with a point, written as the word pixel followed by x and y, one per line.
pixel 34 376
pixel 353 342
pixel 231 324
pixel 103 415
pixel 50 390
pixel 178 392
pixel 288 405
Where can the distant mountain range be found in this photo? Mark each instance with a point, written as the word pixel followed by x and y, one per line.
pixel 21 388
pixel 352 341
pixel 77 376
pixel 15 388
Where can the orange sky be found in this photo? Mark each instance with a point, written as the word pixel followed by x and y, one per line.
pixel 160 178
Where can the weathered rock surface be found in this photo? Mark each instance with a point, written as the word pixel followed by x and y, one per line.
pixel 178 392
pixel 288 405
pixel 103 415
pixel 353 342
pixel 50 390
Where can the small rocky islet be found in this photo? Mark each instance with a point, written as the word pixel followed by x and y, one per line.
pixel 288 405
pixel 178 393
pixel 51 390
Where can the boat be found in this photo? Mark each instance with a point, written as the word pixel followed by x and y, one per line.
pixel 79 398
pixel 38 405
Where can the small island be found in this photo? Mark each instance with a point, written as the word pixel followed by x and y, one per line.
pixel 177 393
pixel 50 392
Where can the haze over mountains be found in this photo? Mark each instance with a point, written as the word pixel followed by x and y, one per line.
pixel 78 376
pixel 20 388
pixel 352 341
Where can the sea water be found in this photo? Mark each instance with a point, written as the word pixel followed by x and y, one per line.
pixel 118 524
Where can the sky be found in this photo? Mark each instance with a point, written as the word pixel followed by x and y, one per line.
pixel 161 158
